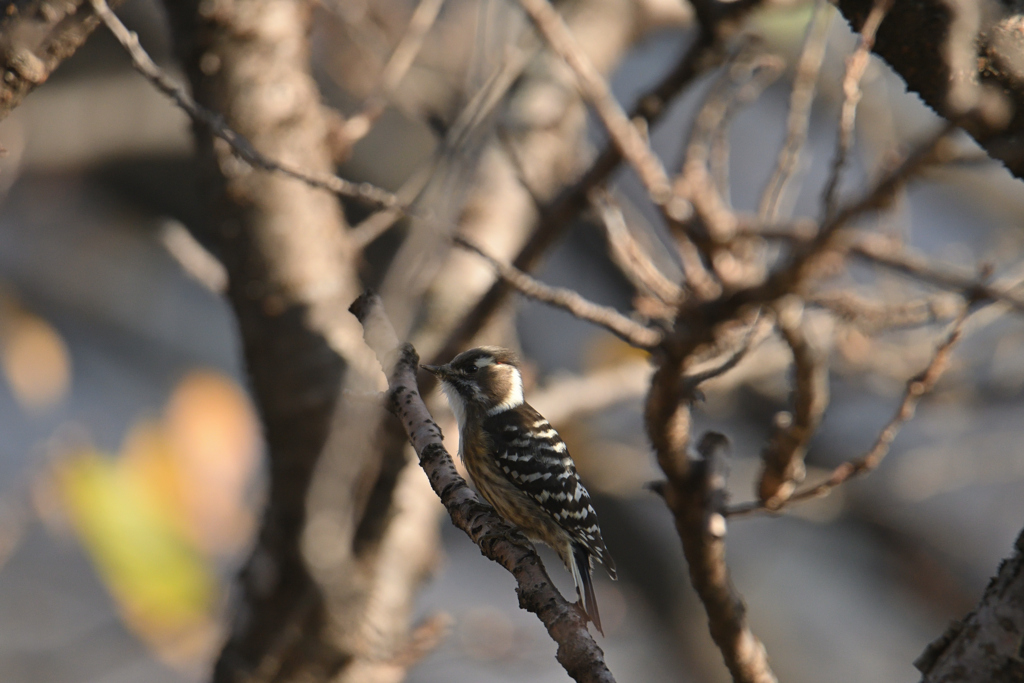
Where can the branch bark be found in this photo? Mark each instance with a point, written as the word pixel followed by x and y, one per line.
pixel 35 37
pixel 291 274
pixel 963 57
pixel 987 646
pixel 577 652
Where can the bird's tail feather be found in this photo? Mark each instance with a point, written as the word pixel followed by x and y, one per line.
pixel 584 584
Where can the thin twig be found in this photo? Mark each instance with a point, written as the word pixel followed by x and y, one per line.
pixel 628 330
pixel 741 82
pixel 888 252
pixel 895 255
pixel 873 317
pixel 917 387
pixel 627 138
pixel 800 100
pixel 624 134
pixel 364 192
pixel 402 58
pixel 856 64
pixel 557 216
pixel 577 652
pixel 630 257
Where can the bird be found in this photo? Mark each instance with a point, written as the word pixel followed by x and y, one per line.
pixel 521 466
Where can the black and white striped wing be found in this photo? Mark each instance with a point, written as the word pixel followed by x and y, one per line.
pixel 534 458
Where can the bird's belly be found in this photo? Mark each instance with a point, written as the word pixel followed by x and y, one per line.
pixel 518 508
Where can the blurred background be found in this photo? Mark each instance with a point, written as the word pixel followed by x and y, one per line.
pixel 131 458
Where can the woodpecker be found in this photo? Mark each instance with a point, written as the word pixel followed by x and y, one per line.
pixel 521 466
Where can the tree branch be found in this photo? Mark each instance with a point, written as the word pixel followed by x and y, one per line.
pixel 35 37
pixel 698 504
pixel 917 387
pixel 784 457
pixel 985 646
pixel 557 216
pixel 622 327
pixel 963 58
pixel 143 63
pixel 577 652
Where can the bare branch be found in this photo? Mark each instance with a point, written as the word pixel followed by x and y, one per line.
pixel 917 387
pixel 984 647
pixel 750 72
pixel 630 257
pixel 423 18
pixel 698 504
pixel 577 652
pixel 559 214
pixel 143 63
pixel 38 37
pixel 856 64
pixel 800 100
pixel 628 330
pixel 872 316
pixel 624 134
pixel 784 457
pixel 890 253
pixel 626 137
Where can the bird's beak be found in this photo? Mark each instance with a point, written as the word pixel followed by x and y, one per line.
pixel 439 370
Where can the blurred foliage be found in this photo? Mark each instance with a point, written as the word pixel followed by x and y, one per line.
pixel 34 357
pixel 158 517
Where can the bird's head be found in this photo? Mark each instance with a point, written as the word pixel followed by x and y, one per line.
pixel 485 379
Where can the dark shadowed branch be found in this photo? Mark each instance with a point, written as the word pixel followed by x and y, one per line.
pixel 577 652
pixel 963 58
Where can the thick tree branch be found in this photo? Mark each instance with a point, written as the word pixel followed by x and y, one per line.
pixel 697 504
pixel 963 57
pixel 986 646
pixel 577 652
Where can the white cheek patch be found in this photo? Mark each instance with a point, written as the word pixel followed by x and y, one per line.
pixel 515 394
pixel 483 362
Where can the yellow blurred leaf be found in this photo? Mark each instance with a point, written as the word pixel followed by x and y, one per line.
pixel 161 583
pixel 149 461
